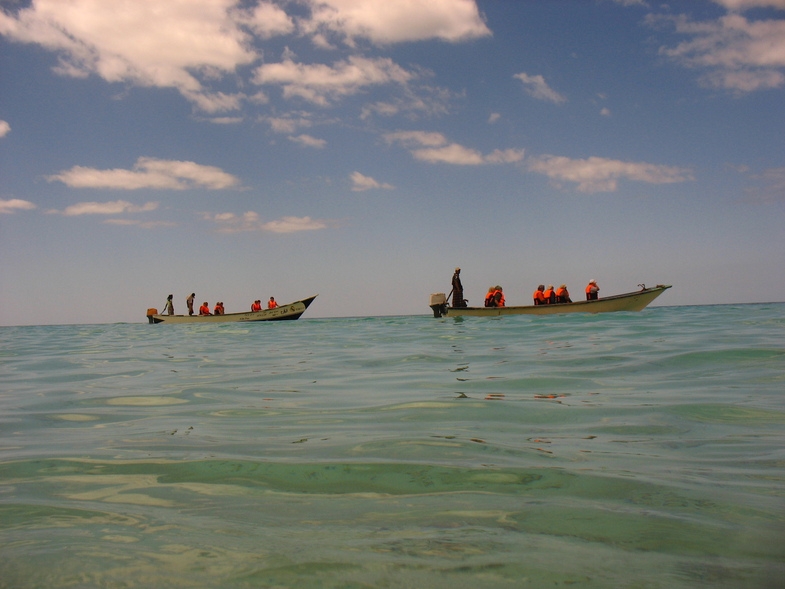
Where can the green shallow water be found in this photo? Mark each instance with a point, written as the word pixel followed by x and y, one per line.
pixel 627 450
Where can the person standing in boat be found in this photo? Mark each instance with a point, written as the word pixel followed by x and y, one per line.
pixel 169 306
pixel 539 295
pixel 562 295
pixel 190 302
pixel 457 290
pixel 271 304
pixel 204 309
pixel 592 290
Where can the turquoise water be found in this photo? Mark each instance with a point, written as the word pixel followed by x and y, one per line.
pixel 640 450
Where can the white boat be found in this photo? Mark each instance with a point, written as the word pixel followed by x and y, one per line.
pixel 288 312
pixel 630 301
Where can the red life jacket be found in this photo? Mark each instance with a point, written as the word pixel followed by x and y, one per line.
pixel 256 307
pixel 204 310
pixel 271 304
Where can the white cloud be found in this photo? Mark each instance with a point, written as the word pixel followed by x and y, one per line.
pixel 536 87
pixel 396 21
pixel 251 221
pixel 107 208
pixel 494 118
pixel 149 173
pixel 287 124
pixel 138 223
pixel 361 182
pixel 736 54
pixel 741 5
pixel 162 44
pixel 416 138
pixel 5 128
pixel 267 20
pixel 15 204
pixel 434 148
pixel 308 141
pixel 321 84
pixel 596 174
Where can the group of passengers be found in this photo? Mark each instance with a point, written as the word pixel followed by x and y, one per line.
pixel 542 296
pixel 257 304
pixel 218 309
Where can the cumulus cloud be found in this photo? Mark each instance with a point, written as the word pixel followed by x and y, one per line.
pixel 361 182
pixel 107 208
pixel 15 204
pixel 322 84
pixel 596 174
pixel 251 221
pixel 733 52
pixel 308 141
pixel 5 128
pixel 175 44
pixel 149 173
pixel 396 21
pixel 434 148
pixel 537 87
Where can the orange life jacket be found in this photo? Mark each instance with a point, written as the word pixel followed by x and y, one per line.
pixel 256 307
pixel 592 295
pixel 548 295
pixel 562 296
pixel 539 297
pixel 271 304
pixel 204 310
pixel 489 298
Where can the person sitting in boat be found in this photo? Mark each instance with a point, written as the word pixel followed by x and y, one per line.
pixel 204 309
pixel 219 308
pixel 495 297
pixel 271 304
pixel 256 305
pixel 592 290
pixel 549 295
pixel 539 295
pixel 489 297
pixel 169 306
pixel 562 295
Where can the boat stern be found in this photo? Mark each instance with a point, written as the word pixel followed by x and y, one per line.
pixel 438 304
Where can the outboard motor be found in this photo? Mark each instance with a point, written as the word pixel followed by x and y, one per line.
pixel 438 304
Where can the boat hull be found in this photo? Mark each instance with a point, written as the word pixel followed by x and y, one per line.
pixel 631 301
pixel 288 312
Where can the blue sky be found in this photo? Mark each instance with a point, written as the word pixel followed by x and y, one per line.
pixel 361 150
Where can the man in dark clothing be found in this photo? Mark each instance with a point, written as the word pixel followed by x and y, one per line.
pixel 457 290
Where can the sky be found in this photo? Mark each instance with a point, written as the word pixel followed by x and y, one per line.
pixel 361 150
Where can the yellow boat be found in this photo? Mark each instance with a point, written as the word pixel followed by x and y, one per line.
pixel 287 312
pixel 629 301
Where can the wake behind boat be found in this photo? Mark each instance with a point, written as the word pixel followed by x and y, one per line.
pixel 288 312
pixel 630 301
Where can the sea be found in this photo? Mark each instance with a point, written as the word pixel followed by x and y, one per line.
pixel 623 450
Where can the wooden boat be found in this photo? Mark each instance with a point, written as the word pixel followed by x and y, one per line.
pixel 630 301
pixel 288 312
